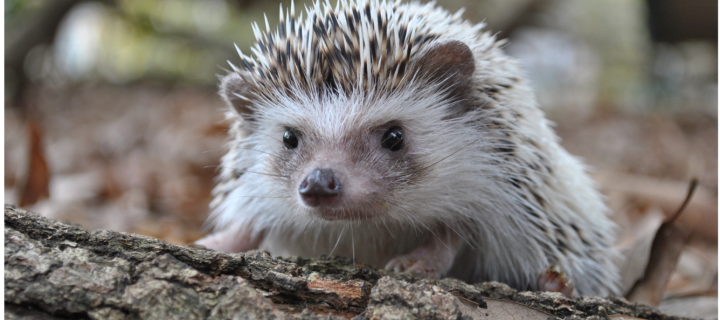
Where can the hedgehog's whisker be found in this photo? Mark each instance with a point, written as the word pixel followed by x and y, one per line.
pixel 214 149
pixel 261 197
pixel 265 152
pixel 458 234
pixel 248 171
pixel 388 228
pixel 337 242
pixel 269 136
pixel 450 155
pixel 437 237
pixel 352 241
pixel 376 157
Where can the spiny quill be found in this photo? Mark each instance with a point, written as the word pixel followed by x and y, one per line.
pixel 359 45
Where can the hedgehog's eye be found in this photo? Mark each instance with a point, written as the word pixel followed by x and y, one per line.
pixel 290 139
pixel 393 139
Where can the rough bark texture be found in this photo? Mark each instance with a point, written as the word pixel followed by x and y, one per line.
pixel 55 270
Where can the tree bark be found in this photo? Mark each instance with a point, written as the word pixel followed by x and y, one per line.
pixel 55 270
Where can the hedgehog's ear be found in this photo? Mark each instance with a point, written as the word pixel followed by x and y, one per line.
pixel 238 94
pixel 450 63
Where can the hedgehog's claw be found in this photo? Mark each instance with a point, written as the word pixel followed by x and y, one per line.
pixel 554 280
pixel 417 267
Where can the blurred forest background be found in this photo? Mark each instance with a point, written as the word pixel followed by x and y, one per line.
pixel 112 119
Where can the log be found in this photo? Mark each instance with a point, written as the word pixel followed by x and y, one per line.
pixel 56 270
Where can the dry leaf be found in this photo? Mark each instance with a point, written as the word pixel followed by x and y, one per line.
pixel 666 248
pixel 38 177
pixel 635 247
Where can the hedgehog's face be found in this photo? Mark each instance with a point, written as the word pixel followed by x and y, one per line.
pixel 344 172
pixel 356 154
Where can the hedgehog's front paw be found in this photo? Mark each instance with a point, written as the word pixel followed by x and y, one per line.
pixel 231 240
pixel 433 258
pixel 554 280
pixel 414 265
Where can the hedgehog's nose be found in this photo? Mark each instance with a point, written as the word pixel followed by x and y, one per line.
pixel 319 184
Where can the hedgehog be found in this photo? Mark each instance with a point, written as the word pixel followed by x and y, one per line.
pixel 401 136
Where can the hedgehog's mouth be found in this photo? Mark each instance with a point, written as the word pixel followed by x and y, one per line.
pixel 347 213
pixel 341 207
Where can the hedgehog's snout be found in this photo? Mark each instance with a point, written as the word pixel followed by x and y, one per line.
pixel 319 186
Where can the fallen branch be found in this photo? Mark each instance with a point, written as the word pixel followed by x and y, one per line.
pixel 58 270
